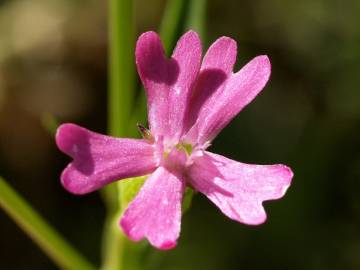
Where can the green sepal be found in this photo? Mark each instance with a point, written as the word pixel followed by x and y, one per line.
pixel 131 186
pixel 189 193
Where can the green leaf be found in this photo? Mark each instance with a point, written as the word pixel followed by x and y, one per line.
pixel 44 235
pixel 196 18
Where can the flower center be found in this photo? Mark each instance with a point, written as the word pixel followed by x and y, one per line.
pixel 171 154
pixel 186 147
pixel 176 156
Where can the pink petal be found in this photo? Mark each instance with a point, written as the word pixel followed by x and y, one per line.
pixel 99 159
pixel 157 74
pixel 239 189
pixel 215 69
pixel 168 81
pixel 221 55
pixel 187 55
pixel 156 210
pixel 239 90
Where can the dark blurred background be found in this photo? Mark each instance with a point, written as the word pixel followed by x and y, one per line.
pixel 53 61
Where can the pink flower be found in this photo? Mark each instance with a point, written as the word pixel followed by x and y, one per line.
pixel 189 102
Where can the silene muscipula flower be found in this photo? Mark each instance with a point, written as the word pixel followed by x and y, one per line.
pixel 189 102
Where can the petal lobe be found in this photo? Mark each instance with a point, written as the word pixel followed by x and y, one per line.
pixel 155 212
pixel 239 189
pixel 99 159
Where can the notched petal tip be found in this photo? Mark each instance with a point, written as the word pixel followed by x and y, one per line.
pixel 148 44
pixel 221 55
pixel 155 213
pixel 61 131
pixel 163 245
pixel 239 189
pixel 191 34
pixel 225 43
pixel 189 43
pixel 263 58
pixel 148 35
pixel 74 185
pixel 167 245
pixel 287 175
pixel 99 159
pixel 256 220
pixel 260 65
pixel 151 61
pixel 264 66
pixel 65 137
pixel 126 227
pixel 147 38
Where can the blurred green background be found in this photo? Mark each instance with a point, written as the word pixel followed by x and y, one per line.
pixel 53 61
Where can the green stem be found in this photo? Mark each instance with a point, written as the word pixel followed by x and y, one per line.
pixel 196 19
pixel 120 102
pixel 111 243
pixel 121 65
pixel 48 239
pixel 120 253
pixel 171 22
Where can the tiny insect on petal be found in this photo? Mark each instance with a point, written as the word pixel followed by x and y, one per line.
pixel 145 133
